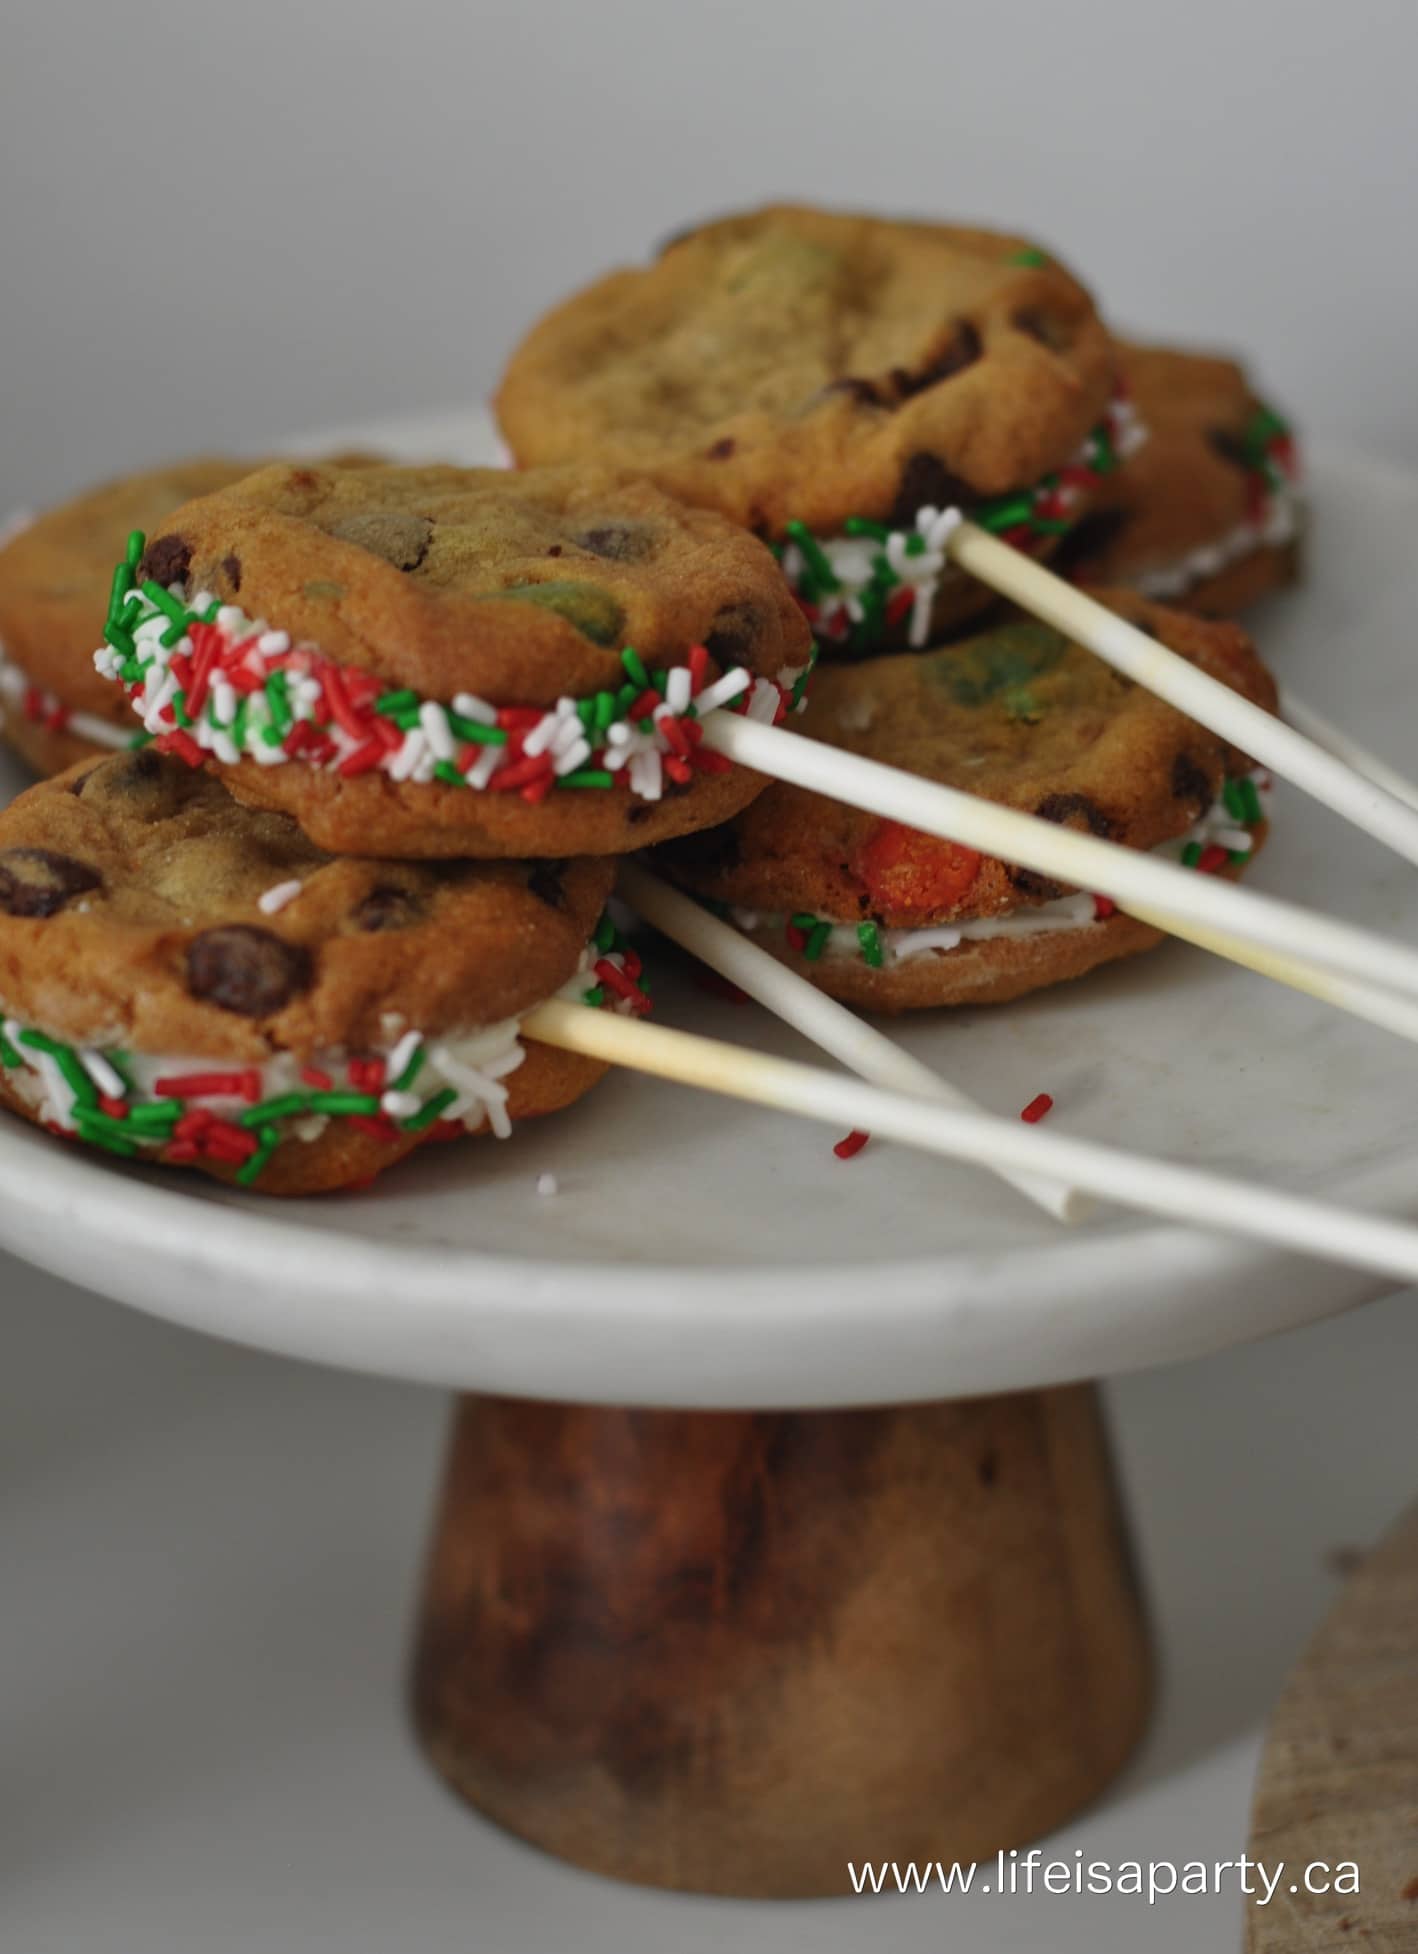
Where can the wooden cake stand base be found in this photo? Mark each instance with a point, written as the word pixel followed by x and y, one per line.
pixel 727 1652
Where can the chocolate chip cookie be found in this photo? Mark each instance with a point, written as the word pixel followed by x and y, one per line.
pixel 1209 515
pixel 891 919
pixel 835 382
pixel 190 981
pixel 442 662
pixel 55 576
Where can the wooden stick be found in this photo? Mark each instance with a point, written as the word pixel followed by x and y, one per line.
pixel 1296 1223
pixel 1334 740
pixel 1283 748
pixel 1203 908
pixel 817 1016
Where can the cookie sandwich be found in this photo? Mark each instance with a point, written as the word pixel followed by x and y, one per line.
pixel 444 662
pixel 839 384
pixel 891 919
pixel 188 981
pixel 1210 514
pixel 56 571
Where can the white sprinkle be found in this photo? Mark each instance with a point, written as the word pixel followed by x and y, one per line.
pixel 541 735
pixel 402 1054
pixel 574 756
pixel 434 721
pixel 485 766
pixel 677 693
pixel 547 1184
pixel 1234 839
pixel 103 1074
pixel 400 1105
pixel 723 689
pixel 271 901
pixel 406 761
pixel 271 643
pixel 468 705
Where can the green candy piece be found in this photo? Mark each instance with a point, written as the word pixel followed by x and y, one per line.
pixel 592 610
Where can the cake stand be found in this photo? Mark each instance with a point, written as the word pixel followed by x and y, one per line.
pixel 779 1526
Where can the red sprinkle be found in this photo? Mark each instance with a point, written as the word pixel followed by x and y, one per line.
pixel 332 679
pixel 717 986
pixel 899 605
pixel 1212 857
pixel 311 1075
pixel 209 1085
pixel 706 761
pixel 115 1108
pixel 698 668
pixel 380 1128
pixel 362 759
pixel 182 743
pixel 1036 1109
pixel 853 1143
pixel 797 939
pixel 1103 908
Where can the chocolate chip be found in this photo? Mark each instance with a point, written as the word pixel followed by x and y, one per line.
pixel 622 542
pixel 231 567
pixel 555 550
pixel 712 851
pixel 1190 783
pixel 926 481
pixel 1231 447
pixel 250 971
pixel 960 350
pixel 166 560
pixel 1091 537
pixel 1067 811
pixel 148 785
pixel 388 907
pixel 37 882
pixel 544 881
pixel 400 538
pixel 1042 326
pixel 721 449
pixel 733 633
pixel 592 610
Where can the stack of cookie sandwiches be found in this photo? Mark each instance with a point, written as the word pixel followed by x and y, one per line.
pixel 394 726
pixel 845 387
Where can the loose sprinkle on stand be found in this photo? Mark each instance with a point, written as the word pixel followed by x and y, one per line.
pixel 547 1184
pixel 853 1144
pixel 1042 1103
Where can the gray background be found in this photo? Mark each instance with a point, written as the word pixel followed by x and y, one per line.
pixel 227 222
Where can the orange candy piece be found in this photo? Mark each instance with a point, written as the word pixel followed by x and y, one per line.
pixel 912 875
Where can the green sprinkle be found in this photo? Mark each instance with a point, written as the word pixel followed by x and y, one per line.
pixel 869 936
pixel 813 555
pixel 605 710
pixel 803 921
pixel 180 712
pixel 864 526
pixel 281 1107
pixel 587 777
pixel 121 639
pixel 605 936
pixel 635 666
pixel 133 552
pixel 250 1169
pixel 412 1069
pixel 817 942
pixel 1191 854
pixel 429 1111
pixel 445 771
pixel 344 1102
pixel 164 601
pixel 140 739
pixel 1233 799
pixel 595 997
pixel 111 1142
pixel 118 591
pixel 1030 255
pixel 474 730
pixel 625 699
pixel 1251 795
pixel 1238 855
pixel 1008 514
pixel 400 701
pixel 153 1115
pixel 9 1057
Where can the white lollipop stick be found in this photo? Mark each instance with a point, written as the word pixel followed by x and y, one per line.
pixel 1289 1221
pixel 1307 721
pixel 1282 748
pixel 1203 908
pixel 817 1016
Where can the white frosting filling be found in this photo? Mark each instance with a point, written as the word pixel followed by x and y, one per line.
pixel 1277 524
